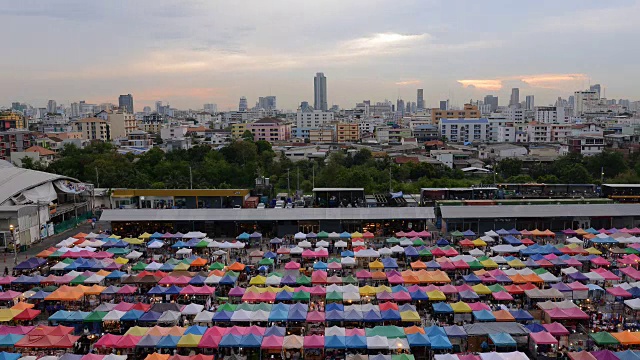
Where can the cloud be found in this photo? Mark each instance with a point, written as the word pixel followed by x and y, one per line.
pixel 385 42
pixel 409 82
pixel 600 20
pixel 543 81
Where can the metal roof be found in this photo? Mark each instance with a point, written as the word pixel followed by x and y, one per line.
pixel 337 189
pixel 622 185
pixel 15 180
pixel 388 213
pixel 539 211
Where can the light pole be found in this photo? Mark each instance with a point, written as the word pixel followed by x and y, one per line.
pixel 15 243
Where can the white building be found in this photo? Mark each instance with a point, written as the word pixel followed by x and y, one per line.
pixel 173 132
pixel 512 133
pixel 514 114
pixel 464 130
pixel 495 122
pixel 307 119
pixel 501 151
pixel 550 115
pixel 203 117
pixel 586 145
pixel 584 101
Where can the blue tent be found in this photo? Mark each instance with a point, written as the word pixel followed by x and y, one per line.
pixel 442 308
pixel 116 274
pixel 275 331
pixel 156 235
pixel 594 287
pixel 284 296
pixel 288 280
pixel 296 314
pixel 179 244
pixel 270 255
pixel 418 340
pixel 132 315
pixel 230 340
pixel 352 315
pixel 468 295
pixel 347 253
pixel 167 267
pixel 512 240
pixel 440 342
pixel 634 291
pixel 469 233
pixel 410 251
pixel 148 341
pixel 455 331
pixel 607 240
pixel 503 279
pixel 419 295
pixel 335 342
pixel 345 235
pixel 521 315
pixel 371 316
pixel 156 290
pixel 279 314
pixel 390 263
pixel 502 232
pixel 433 265
pixel 334 306
pixel 484 315
pixel 28 280
pixel 398 288
pixel 223 316
pixel 320 265
pixel 535 327
pixel 30 264
pixel 9 356
pixel 243 236
pixel 228 280
pixel 77 316
pixel 60 315
pixel 197 280
pixel 168 342
pixel 150 316
pixel 434 330
pixel 628 355
pixel 356 342
pixel 9 340
pixel 502 339
pixel 251 341
pixel 471 279
pixel 196 330
pixel 40 295
pixel 390 315
pixel 172 290
pixel 334 315
pixel 442 242
pixel 514 231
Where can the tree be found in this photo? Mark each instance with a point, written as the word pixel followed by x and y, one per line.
pixel 520 179
pixel 548 179
pixel 247 135
pixel 606 164
pixel 509 167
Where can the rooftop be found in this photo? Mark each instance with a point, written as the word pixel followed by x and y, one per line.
pixel 463 121
pixel 40 150
pixel 538 211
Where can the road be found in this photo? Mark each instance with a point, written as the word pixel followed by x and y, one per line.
pixel 7 259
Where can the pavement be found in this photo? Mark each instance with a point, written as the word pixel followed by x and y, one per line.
pixel 7 259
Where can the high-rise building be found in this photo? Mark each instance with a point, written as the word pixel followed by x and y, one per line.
pixel 408 106
pixel 147 110
pixel 492 101
pixel 515 97
pixel 400 107
pixel 158 106
pixel 52 107
pixel 444 104
pixel 584 101
pixel 267 102
pixel 75 110
pixel 529 102
pixel 320 92
pixel 420 100
pixel 596 88
pixel 210 108
pixel 242 106
pixel 125 102
pixel 414 107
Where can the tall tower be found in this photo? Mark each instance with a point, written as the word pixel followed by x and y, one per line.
pixel 515 97
pixel 320 92
pixel 530 103
pixel 126 102
pixel 420 100
pixel 242 106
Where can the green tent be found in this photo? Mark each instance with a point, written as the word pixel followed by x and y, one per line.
pixel 245 306
pixel 604 338
pixel 95 316
pixel 67 261
pixel 56 254
pixel 403 357
pixel 496 288
pixel 475 265
pixel 631 250
pixel 483 258
pixel 322 235
pixel 202 244
pixel 456 233
pixel 216 266
pixel 393 240
pixel 425 252
pixel 301 296
pixel 234 274
pixel 334 296
pixel 391 332
pixel 119 251
pixel 349 280
pixel 262 306
pixel 173 261
pixel 227 307
pixel 540 271
pixel 335 260
pixel 266 261
pixel 275 273
pixel 303 280
pixel 50 288
pixel 418 242
pixel 139 266
pixel 78 280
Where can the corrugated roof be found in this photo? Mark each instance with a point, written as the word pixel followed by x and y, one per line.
pixel 268 214
pixel 538 211
pixel 14 180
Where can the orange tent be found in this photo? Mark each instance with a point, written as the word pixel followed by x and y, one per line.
pixel 44 253
pixel 410 278
pixel 581 232
pixel 378 275
pixel 176 331
pixel 537 232
pixel 66 293
pixel 518 279
pixel 199 262
pixel 480 272
pixel 236 266
pixel 424 277
pixel 440 276
pixel 627 337
pixel 94 290
pixel 533 278
pixel 216 273
pixel 549 233
pixel 417 265
pixel 588 236
pixel 156 356
pixel 503 315
pixel 80 235
pixel 23 306
pixel 157 331
pixel 413 330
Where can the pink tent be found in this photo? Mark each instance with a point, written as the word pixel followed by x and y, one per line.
pixel 210 339
pixel 543 338
pixel 631 272
pixel 18 330
pixel 216 331
pixel 189 290
pixel 477 306
pixel 363 274
pixel 238 330
pixel 618 291
pixel 401 296
pixel 127 289
pixel 556 329
pixel 464 287
pixel 395 279
pixel 635 231
pixel 606 274
pixel 447 266
pixel 107 341
pixel 401 234
pixel 600 261
pixel 319 277
pixel 502 296
pixel 314 342
pixel 448 289
pixel 577 286
pixel 103 255
pixel 123 306
pixel 315 316
pixel 9 295
pixel 256 330
pixel 367 235
pixel 272 342
pixel 383 295
pixel 308 254
pixel 318 290
pixel 167 280
pixel 605 231
pixel 334 266
pixel 6 280
pixel 411 234
pixel 205 290
pixel 237 291
pixel 292 265
pixel 572 262
pixel 354 332
pixel 424 233
pixel 127 342
pixel 283 250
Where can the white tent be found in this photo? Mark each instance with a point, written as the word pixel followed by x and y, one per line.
pixel 492 233
pixel 367 253
pixel 260 315
pixel 300 236
pixel 293 342
pixel 273 280
pixel 238 245
pixel 194 235
pixel 476 252
pixel 169 316
pixel 66 242
pixel 213 244
pixel 59 266
pixel 154 266
pixel 351 296
pixel 219 253
pixel 549 277
pixel 241 316
pixel 593 276
pixel 498 259
pixel 334 235
pixel 385 251
pixel 156 244
pixel 212 279
pixel 397 344
pixel 334 331
pixel 446 357
pixel 192 309
pixel 323 243
pixel 184 251
pixel 91 235
pixel 114 315
pixel 487 239
pixel 406 242
pixel 203 317
pixel 358 243
pixel 341 244
pixel 94 279
pixel 304 244
pixel 569 270
pixel 348 261
pixel 397 249
pixel 133 255
pixel 574 240
pixel 334 287
pixel 633 304
pixel 377 343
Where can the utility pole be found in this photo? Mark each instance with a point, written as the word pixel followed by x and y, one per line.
pixel 190 178
pixel 390 177
pixel 15 244
pixel 313 178
pixel 298 185
pixel 97 177
pixel 601 175
pixel 288 184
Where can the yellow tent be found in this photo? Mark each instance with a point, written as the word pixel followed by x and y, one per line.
pixel 137 331
pixel 516 263
pixel 189 341
pixel 8 314
pixel 481 289
pixel 181 267
pixel 409 316
pixel 367 291
pixel 436 295
pixel 461 308
pixel 258 280
pixel 272 289
pixel 145 236
pixel 287 288
pixel 489 264
pixel 593 251
pixel 133 241
pixel 114 236
pixel 479 243
pixel 376 265
pixel 121 260
pixel 383 288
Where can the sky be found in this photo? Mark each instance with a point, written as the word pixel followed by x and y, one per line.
pixel 192 52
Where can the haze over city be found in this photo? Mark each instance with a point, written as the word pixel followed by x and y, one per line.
pixel 192 52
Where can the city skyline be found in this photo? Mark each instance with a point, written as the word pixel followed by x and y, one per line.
pixel 194 60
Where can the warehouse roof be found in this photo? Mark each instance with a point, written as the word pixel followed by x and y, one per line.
pixel 15 180
pixel 539 211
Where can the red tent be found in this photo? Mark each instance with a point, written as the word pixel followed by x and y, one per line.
pixel 27 314
pixel 127 342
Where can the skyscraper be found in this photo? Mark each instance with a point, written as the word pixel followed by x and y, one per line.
pixel 320 92
pixel 210 108
pixel 596 88
pixel 420 100
pixel 529 102
pixel 400 107
pixel 267 102
pixel 125 102
pixel 515 97
pixel 242 106
pixel 52 107
pixel 492 101
pixel 444 104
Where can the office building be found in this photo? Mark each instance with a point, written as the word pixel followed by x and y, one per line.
pixel 125 102
pixel 242 106
pixel 347 132
pixel 596 88
pixel 400 107
pixel 320 92
pixel 469 112
pixel 94 129
pixel 52 107
pixel 307 119
pixel 550 115
pixel 267 103
pixel 210 108
pixel 515 97
pixel 464 130
pixel 584 101
pixel 492 101
pixel 420 100
pixel 444 104
pixel 414 107
pixel 529 102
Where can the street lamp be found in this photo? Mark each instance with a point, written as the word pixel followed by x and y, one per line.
pixel 15 245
